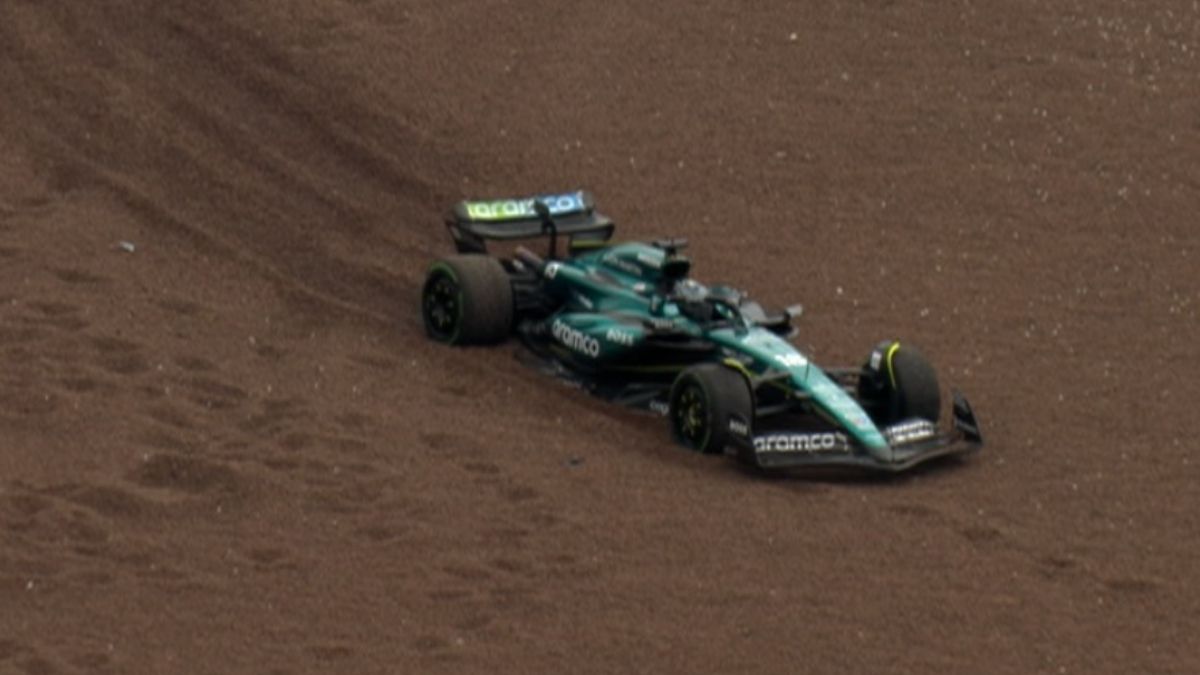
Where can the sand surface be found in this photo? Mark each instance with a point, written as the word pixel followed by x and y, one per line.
pixel 227 447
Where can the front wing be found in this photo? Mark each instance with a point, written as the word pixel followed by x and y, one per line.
pixel 910 443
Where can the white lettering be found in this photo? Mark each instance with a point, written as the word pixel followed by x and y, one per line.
pixel 576 340
pixel 908 432
pixel 792 360
pixel 523 208
pixel 619 337
pixel 815 442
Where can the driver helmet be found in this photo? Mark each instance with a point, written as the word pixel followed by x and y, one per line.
pixel 693 299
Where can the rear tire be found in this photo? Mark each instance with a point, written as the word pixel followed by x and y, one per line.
pixel 898 383
pixel 467 300
pixel 705 402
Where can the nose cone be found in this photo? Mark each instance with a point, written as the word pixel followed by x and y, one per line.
pixel 829 397
pixel 843 408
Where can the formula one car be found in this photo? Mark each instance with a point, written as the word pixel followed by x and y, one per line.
pixel 628 323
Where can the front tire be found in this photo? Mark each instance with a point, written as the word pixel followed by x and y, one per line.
pixel 898 383
pixel 467 300
pixel 711 407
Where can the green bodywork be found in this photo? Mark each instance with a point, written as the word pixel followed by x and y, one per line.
pixel 628 323
pixel 610 296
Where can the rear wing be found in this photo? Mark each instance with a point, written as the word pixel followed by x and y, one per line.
pixel 472 223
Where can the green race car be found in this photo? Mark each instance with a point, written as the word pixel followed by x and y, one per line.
pixel 628 323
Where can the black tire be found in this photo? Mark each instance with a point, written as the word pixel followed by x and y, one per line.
pixel 467 300
pixel 705 402
pixel 898 383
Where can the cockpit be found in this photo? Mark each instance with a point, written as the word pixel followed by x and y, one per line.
pixel 705 305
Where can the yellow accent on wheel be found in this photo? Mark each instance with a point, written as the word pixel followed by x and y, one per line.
pixel 738 366
pixel 891 352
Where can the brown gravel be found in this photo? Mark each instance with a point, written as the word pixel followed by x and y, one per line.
pixel 225 446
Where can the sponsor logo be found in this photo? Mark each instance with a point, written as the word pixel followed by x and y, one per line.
pixel 513 209
pixel 660 407
pixel 739 427
pixel 876 360
pixel 908 432
pixel 792 360
pixel 575 340
pixel 619 337
pixel 831 441
pixel 551 270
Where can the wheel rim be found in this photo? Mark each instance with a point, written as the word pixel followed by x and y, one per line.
pixel 691 416
pixel 442 307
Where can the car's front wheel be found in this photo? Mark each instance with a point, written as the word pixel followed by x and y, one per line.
pixel 711 407
pixel 898 383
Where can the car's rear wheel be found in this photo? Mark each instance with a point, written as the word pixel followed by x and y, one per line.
pixel 467 300
pixel 898 383
pixel 711 407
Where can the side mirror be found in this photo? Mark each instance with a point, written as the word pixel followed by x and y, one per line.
pixel 671 246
